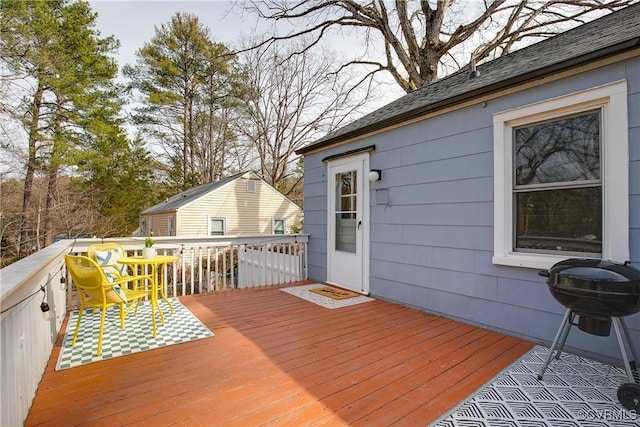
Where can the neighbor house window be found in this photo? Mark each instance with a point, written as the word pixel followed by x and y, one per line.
pixel 279 225
pixel 251 186
pixel 169 225
pixel 561 186
pixel 217 226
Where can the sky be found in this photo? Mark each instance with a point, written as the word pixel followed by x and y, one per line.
pixel 133 22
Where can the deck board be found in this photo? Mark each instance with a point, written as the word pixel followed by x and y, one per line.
pixel 279 360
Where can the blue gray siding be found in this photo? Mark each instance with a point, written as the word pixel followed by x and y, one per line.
pixel 431 234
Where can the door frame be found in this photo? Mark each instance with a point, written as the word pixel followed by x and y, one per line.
pixel 360 162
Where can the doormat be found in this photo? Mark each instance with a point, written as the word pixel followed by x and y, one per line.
pixel 180 327
pixel 573 392
pixel 335 293
pixel 304 292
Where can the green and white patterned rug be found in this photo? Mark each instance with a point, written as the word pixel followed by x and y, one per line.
pixel 180 327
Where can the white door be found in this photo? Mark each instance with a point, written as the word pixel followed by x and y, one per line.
pixel 347 223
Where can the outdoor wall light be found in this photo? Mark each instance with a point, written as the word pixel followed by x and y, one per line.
pixel 375 175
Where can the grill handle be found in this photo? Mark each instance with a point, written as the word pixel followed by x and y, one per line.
pixel 544 273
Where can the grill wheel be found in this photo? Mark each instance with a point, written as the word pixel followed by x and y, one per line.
pixel 629 396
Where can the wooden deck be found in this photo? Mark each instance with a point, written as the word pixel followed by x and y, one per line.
pixel 279 360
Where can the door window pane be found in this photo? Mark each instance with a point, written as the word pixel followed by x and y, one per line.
pixel 345 211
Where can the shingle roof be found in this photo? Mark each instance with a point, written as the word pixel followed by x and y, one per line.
pixel 190 195
pixel 611 34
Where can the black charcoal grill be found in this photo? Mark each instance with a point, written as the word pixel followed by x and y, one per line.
pixel 599 294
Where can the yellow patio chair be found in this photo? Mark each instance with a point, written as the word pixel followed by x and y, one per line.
pixel 95 290
pixel 107 256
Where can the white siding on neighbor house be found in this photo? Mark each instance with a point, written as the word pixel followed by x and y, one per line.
pixel 245 212
pixel 159 224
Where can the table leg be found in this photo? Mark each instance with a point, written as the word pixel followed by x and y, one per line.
pixel 156 289
pixel 154 299
pixel 161 288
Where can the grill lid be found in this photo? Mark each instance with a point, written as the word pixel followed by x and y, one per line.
pixel 592 273
pixel 580 270
pixel 595 287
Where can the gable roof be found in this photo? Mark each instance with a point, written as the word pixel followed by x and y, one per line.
pixel 614 33
pixel 191 195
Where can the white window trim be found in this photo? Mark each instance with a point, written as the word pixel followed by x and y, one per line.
pixel 224 224
pixel 273 224
pixel 612 99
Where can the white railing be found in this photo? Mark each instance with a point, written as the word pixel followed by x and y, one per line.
pixel 204 265
pixel 27 338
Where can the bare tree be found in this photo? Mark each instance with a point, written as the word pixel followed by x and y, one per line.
pixel 421 38
pixel 297 98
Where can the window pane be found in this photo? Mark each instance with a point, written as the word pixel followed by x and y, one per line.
pixel 562 150
pixel 339 189
pixel 217 227
pixel 278 226
pixel 345 211
pixel 560 220
pixel 346 233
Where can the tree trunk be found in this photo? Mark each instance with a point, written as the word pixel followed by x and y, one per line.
pixel 185 147
pixel 31 168
pixel 49 206
pixel 54 165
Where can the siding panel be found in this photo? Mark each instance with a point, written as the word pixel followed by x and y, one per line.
pixel 450 237
pixel 449 147
pixel 479 213
pixel 457 168
pixel 459 191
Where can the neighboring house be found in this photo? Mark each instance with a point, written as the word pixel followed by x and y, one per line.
pixel 238 205
pixel 485 181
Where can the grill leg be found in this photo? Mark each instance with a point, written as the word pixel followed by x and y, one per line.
pixel 617 327
pixel 561 337
pixel 629 342
pixel 629 393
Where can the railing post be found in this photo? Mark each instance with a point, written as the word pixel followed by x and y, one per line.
pixel 199 270
pixel 231 269
pixel 215 270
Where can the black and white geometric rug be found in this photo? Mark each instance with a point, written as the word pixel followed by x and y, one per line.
pixel 573 392
pixel 180 327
